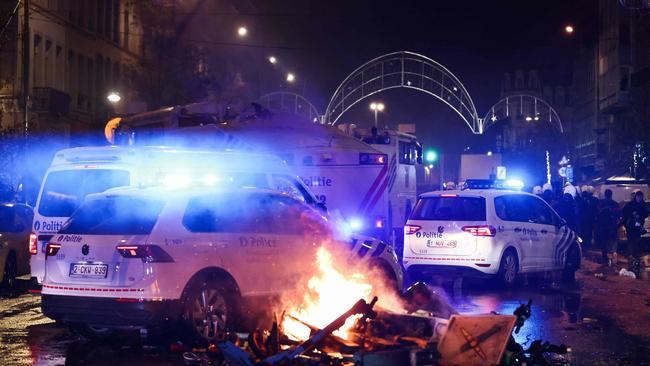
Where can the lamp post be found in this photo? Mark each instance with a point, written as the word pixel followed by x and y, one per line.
pixel 376 107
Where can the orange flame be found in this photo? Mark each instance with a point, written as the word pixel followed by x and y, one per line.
pixel 329 294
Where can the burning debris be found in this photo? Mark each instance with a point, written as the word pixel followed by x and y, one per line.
pixel 421 328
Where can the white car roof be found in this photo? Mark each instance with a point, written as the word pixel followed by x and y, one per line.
pixel 165 193
pixel 243 161
pixel 488 193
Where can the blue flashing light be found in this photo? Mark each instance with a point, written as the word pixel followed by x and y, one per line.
pixel 514 183
pixel 355 224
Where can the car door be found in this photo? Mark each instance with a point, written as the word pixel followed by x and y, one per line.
pixel 514 210
pixel 546 233
pixel 299 231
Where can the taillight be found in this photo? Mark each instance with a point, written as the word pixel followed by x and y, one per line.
pixel 148 253
pixel 372 159
pixel 51 249
pixel 33 244
pixel 483 230
pixel 411 229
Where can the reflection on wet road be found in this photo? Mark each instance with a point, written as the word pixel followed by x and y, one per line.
pixel 28 338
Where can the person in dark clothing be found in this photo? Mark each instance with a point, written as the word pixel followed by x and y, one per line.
pixel 587 211
pixel 547 195
pixel 634 214
pixel 606 228
pixel 566 208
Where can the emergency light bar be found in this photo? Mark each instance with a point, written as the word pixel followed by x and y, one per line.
pixel 510 184
pixel 372 159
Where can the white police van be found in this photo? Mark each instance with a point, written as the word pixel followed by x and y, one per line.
pixel 140 257
pixel 487 232
pixel 77 172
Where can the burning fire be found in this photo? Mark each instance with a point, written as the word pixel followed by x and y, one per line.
pixel 330 293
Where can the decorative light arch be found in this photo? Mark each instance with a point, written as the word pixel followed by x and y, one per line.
pixel 528 107
pixel 403 70
pixel 288 102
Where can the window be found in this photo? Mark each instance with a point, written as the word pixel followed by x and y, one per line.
pixel 243 213
pixel 116 21
pixel 450 209
pixel 126 30
pixel 65 190
pixel 115 215
pixel 289 185
pixel 542 213
pixel 408 153
pixel 523 208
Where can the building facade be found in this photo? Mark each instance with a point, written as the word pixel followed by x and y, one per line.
pixel 78 51
pixel 611 89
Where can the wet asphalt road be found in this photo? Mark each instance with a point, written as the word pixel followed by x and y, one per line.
pixel 29 338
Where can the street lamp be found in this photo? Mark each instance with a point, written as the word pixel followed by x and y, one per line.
pixel 376 107
pixel 291 77
pixel 273 60
pixel 113 97
pixel 568 29
pixel 242 31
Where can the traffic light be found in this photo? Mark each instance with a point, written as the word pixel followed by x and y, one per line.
pixel 431 156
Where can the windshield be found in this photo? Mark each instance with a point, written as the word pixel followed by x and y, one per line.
pixel 450 209
pixel 114 215
pixel 65 190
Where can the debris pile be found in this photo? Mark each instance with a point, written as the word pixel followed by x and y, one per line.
pixel 382 337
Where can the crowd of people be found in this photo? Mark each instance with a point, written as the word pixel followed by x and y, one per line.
pixel 597 221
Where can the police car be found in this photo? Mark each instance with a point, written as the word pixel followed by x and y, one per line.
pixel 142 257
pixel 77 172
pixel 487 232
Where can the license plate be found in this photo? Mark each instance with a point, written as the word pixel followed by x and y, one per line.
pixel 442 243
pixel 88 270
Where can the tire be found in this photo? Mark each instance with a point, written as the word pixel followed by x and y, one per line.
pixel 91 332
pixel 571 264
pixel 208 310
pixel 509 268
pixel 8 286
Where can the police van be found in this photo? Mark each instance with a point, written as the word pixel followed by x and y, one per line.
pixel 370 184
pixel 77 172
pixel 146 257
pixel 487 232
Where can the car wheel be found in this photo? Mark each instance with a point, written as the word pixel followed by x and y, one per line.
pixel 208 311
pixel 9 277
pixel 92 332
pixel 571 264
pixel 509 268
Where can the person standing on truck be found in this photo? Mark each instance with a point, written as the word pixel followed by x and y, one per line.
pixel 634 215
pixel 606 224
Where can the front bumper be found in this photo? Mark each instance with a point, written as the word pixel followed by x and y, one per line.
pixel 110 312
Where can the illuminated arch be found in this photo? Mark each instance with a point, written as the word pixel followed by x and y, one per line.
pixel 288 102
pixel 403 70
pixel 523 106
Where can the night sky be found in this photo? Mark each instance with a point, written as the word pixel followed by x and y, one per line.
pixel 323 41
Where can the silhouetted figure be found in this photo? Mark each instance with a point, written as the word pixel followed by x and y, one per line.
pixel 606 228
pixel 566 208
pixel 634 214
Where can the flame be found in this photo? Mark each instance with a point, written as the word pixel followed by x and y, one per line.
pixel 329 294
